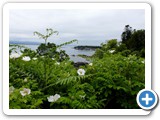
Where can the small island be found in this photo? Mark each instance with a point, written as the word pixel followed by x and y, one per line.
pixel 86 47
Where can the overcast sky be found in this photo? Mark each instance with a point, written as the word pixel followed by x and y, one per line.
pixel 83 25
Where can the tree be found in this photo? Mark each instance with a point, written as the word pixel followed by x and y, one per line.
pixel 126 34
pixel 137 41
pixel 134 40
pixel 112 44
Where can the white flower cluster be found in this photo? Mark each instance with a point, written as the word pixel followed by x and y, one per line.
pixel 25 58
pixel 25 92
pixel 53 98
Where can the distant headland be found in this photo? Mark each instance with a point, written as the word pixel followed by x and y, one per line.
pixel 86 47
pixel 24 43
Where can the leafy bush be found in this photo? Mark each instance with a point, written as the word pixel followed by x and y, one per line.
pixel 45 79
pixel 112 78
pixel 118 78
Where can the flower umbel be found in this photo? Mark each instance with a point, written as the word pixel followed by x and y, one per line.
pixel 25 92
pixel 26 58
pixel 81 72
pixel 53 98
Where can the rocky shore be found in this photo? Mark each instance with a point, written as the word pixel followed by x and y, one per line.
pixel 78 64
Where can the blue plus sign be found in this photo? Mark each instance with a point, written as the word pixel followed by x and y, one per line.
pixel 147 99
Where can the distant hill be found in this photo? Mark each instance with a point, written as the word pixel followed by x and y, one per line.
pixel 24 42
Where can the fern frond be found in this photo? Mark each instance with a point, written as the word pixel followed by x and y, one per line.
pixel 64 81
pixel 67 80
pixel 50 32
pixel 41 36
pixel 66 43
pixel 72 79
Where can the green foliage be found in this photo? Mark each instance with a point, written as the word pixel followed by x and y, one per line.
pixel 133 43
pixel 126 53
pixel 134 40
pixel 112 80
pixel 29 52
pixel 32 101
pixel 14 47
pixel 121 47
pixel 99 53
pixel 110 45
pixel 137 41
pixel 118 78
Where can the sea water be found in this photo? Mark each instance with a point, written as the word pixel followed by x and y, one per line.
pixel 73 53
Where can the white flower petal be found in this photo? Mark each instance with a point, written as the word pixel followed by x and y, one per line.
pixel 29 91
pixel 15 55
pixel 25 80
pixel 25 92
pixel 111 51
pixel 26 58
pixel 90 64
pixel 81 72
pixel 56 97
pixel 53 98
pixel 50 98
pixel 22 93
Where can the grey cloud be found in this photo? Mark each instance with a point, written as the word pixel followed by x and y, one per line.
pixel 74 24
